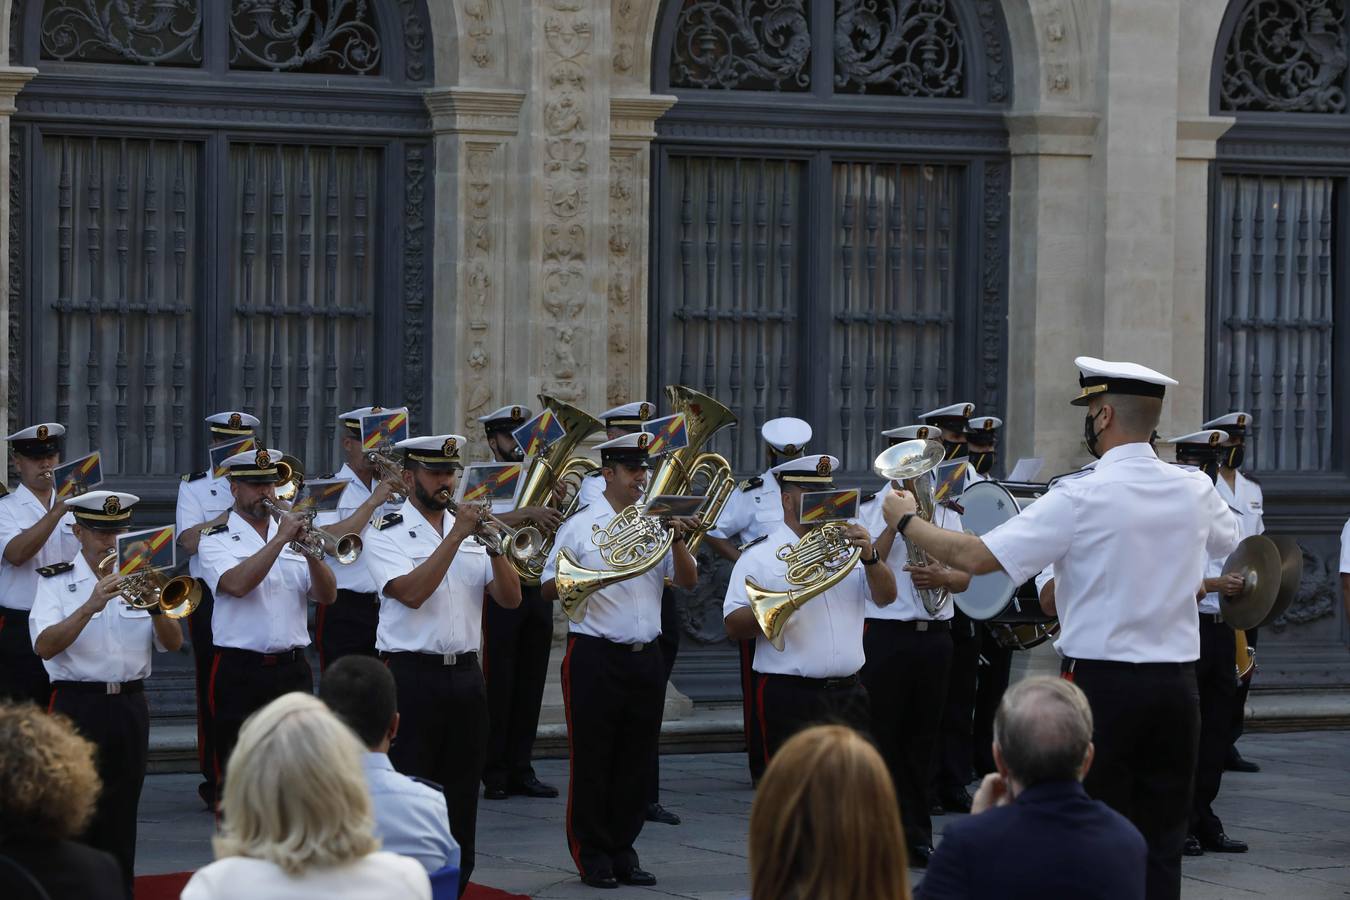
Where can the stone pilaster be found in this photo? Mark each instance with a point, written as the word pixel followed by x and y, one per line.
pixel 12 80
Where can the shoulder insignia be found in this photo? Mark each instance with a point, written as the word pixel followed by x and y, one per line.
pixel 328 476
pixel 1069 476
pixel 388 521
pixel 868 497
pixel 428 782
pixel 750 484
pixel 748 544
pixel 593 473
pixel 193 476
pixel 57 569
pixel 216 529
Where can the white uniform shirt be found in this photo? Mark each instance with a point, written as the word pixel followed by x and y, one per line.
pixel 1246 501
pixel 822 639
pixel 592 490
pixel 1129 541
pixel 626 613
pixel 751 512
pixel 201 501
pixel 20 511
pixel 272 617
pixel 451 619
pixel 908 606
pixel 356 575
pixel 115 643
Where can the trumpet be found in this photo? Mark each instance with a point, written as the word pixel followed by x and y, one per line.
pixel 909 464
pixel 316 543
pixel 819 560
pixel 176 598
pixel 390 471
pixel 290 478
pixel 520 545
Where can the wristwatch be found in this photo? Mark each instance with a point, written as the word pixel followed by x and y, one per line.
pixel 904 520
pixel 876 558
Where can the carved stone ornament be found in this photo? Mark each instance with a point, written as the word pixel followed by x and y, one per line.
pixel 327 36
pixel 168 32
pixel 913 48
pixel 1287 56
pixel 742 44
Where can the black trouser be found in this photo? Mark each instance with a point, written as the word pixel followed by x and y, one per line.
pixel 669 642
pixel 347 626
pixel 955 756
pixel 754 736
pixel 1146 730
pixel 22 676
pixel 119 726
pixel 612 694
pixel 1216 678
pixel 243 682
pixel 203 657
pixel 991 680
pixel 1244 688
pixel 789 704
pixel 515 664
pixel 906 677
pixel 443 735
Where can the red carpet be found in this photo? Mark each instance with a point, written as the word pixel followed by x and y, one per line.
pixel 168 887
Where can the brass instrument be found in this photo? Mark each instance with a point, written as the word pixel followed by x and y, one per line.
pixel 176 598
pixel 1245 654
pixel 555 466
pixel 290 478
pixel 390 471
pixel 519 544
pixel 909 463
pixel 634 542
pixel 316 543
pixel 819 560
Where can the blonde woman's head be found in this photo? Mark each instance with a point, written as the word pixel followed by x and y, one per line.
pixel 48 781
pixel 825 824
pixel 295 792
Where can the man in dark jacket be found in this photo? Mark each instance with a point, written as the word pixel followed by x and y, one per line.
pixel 1033 831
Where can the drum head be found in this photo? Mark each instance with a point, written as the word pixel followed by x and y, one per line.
pixel 987 505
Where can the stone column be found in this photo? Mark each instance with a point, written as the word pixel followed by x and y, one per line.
pixel 12 80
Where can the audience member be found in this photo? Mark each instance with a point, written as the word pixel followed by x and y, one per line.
pixel 297 816
pixel 410 814
pixel 1033 831
pixel 825 824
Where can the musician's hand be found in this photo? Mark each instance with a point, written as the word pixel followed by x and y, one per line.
pixel 543 516
pixel 467 520
pixel 105 590
pixel 559 492
pixel 382 492
pixel 897 505
pixel 290 526
pixel 683 526
pixel 1231 585
pixel 857 536
pixel 993 791
pixel 927 577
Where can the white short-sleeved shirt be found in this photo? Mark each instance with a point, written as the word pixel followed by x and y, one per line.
pixel 752 510
pixel 1129 541
pixel 115 643
pixel 451 619
pixel 592 490
pixel 20 511
pixel 822 639
pixel 628 612
pixel 201 500
pixel 354 576
pixel 271 618
pixel 908 606
pixel 1248 505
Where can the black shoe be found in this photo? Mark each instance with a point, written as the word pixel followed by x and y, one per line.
pixel 1237 763
pixel 639 877
pixel 1222 843
pixel 608 882
pixel 1192 846
pixel 494 793
pixel 919 855
pixel 957 801
pixel 658 813
pixel 532 787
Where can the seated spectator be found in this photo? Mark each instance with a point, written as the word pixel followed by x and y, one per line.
pixel 48 786
pixel 1033 831
pixel 825 824
pixel 410 815
pixel 297 818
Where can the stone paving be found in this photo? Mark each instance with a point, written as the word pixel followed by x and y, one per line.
pixel 1295 814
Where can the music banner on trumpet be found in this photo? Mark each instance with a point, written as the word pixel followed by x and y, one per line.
pixel 384 429
pixel 540 433
pixel 949 480
pixel 320 495
pixel 140 551
pixel 829 506
pixel 668 434
pixel 222 452
pixel 494 483
pixel 77 476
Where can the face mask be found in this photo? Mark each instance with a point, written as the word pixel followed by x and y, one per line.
pixel 955 449
pixel 1234 456
pixel 983 460
pixel 1207 464
pixel 1090 435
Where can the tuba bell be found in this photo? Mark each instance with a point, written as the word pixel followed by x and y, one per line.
pixel 909 463
pixel 819 560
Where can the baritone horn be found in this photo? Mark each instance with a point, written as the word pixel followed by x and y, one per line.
pixel 819 560
pixel 908 463
pixel 176 598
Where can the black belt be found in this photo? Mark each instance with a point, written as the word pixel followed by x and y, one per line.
pixel 437 660
pixel 919 625
pixel 822 684
pixel 632 648
pixel 19 615
pixel 1068 664
pixel 99 687
pixel 350 596
pixel 1212 618
pixel 281 657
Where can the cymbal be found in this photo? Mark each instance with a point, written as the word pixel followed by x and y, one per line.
pixel 1291 575
pixel 1258 561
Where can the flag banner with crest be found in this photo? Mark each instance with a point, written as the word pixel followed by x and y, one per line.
pixel 829 506
pixel 222 452
pixel 668 434
pixel 665 505
pixel 77 476
pixel 384 428
pixel 490 482
pixel 949 480
pixel 540 433
pixel 151 548
pixel 321 495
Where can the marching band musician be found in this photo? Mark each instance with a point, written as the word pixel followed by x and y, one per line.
pixel 97 649
pixel 814 678
pixel 908 657
pixel 262 586
pixel 432 572
pixel 613 676
pixel 35 531
pixel 750 513
pixel 515 643
pixel 627 418
pixel 1129 540
pixel 204 501
pixel 348 625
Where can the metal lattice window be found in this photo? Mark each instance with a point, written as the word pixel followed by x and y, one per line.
pixel 1286 56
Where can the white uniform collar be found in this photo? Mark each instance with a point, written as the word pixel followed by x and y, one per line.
pixel 23 495
pixel 1136 450
pixel 82 568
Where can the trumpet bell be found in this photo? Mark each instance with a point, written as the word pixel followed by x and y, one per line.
pixel 349 547
pixel 525 545
pixel 290 478
pixel 908 459
pixel 180 597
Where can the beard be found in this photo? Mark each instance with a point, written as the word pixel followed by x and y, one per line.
pixel 438 500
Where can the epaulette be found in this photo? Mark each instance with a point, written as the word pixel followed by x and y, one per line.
pixel 750 484
pixel 593 473
pixel 868 497
pixel 388 521
pixel 1069 476
pixel 193 476
pixel 428 782
pixel 328 476
pixel 748 544
pixel 216 529
pixel 56 569
pixel 578 510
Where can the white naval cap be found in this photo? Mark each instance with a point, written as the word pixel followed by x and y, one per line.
pixel 508 417
pixel 1232 423
pixel 434 451
pixel 627 448
pixel 786 435
pixel 43 439
pixel 983 425
pixel 630 414
pixel 1100 376
pixel 913 433
pixel 257 466
pixel 104 510
pixel 232 422
pixel 1210 437
pixel 954 411
pixel 812 469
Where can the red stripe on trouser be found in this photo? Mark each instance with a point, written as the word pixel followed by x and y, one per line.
pixel 320 616
pixel 211 700
pixel 763 721
pixel 573 846
pixel 51 704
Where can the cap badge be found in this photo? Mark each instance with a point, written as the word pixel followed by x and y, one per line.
pixel 789 449
pixel 112 506
pixel 1242 421
pixel 42 432
pixel 263 459
pixel 967 410
pixel 1213 437
pixel 450 447
pixel 375 409
pixel 644 411
pixel 988 424
pixel 823 466
pixel 922 432
pixel 643 439
pixel 516 414
pixel 236 420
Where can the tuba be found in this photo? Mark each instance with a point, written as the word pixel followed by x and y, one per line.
pixel 634 542
pixel 176 598
pixel 819 560
pixel 909 463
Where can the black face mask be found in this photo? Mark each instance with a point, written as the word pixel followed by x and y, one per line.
pixel 1207 463
pixel 983 460
pixel 955 449
pixel 1233 456
pixel 1090 436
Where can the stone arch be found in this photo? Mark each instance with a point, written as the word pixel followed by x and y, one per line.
pixel 475 35
pixel 1051 43
pixel 1201 56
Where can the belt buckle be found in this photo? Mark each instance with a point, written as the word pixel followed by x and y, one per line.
pixel 113 687
pixel 921 625
pixel 448 659
pixel 637 648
